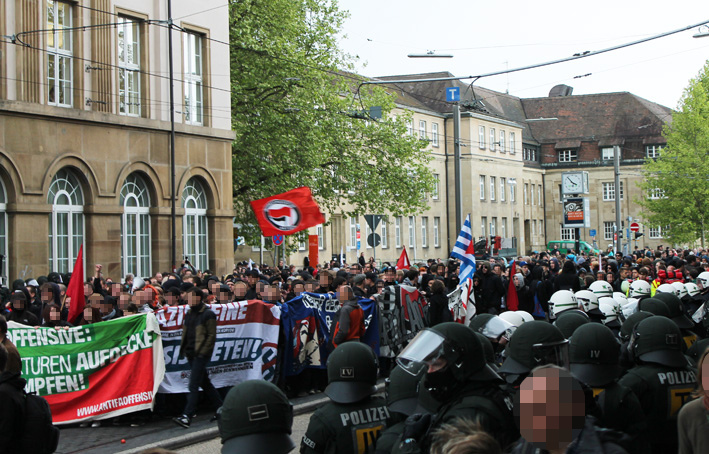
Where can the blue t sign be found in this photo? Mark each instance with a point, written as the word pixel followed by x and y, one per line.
pixel 453 94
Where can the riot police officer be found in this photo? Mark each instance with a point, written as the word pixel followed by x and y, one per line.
pixel 354 418
pixel 662 379
pixel 402 393
pixel 458 377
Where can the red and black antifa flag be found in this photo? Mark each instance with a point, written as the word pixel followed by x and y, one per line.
pixel 287 213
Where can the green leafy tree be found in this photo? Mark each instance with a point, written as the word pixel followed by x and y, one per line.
pixel 679 177
pixel 300 117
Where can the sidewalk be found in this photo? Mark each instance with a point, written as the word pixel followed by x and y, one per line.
pixel 160 432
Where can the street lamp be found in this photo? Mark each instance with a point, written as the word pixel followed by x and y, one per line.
pixel 430 54
pixel 702 34
pixel 512 182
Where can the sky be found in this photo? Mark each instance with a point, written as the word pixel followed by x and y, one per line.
pixel 492 35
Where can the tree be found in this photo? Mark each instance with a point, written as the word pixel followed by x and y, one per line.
pixel 679 178
pixel 294 105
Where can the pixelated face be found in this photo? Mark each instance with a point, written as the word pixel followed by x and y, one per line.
pixel 54 314
pixel 172 300
pixel 551 409
pixel 705 375
pixel 240 290
pixel 325 279
pixel 123 301
pixel 298 289
pixel 46 296
pixel 193 299
pixel 88 314
pixel 310 287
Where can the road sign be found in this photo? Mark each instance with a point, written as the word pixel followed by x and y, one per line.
pixel 278 239
pixel 592 232
pixel 374 240
pixel 373 220
pixel 634 227
pixel 452 94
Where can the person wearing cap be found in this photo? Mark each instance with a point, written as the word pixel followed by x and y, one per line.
pixel 460 380
pixel 677 315
pixel 353 419
pixel 360 291
pixel 199 333
pixel 252 277
pixel 594 358
pixel 661 378
pixel 256 418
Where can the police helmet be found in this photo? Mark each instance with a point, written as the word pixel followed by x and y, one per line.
pixel 674 305
pixel 611 309
pixel 692 288
pixel 492 327
pixel 478 322
pixel 512 317
pixel 447 346
pixel 658 340
pixel 588 301
pixel 601 288
pixel 569 321
pixel 621 298
pixel 681 289
pixel 630 308
pixel 256 417
pixel 560 301
pixel 351 373
pixel 639 289
pixel 702 281
pixel 489 351
pixel 594 354
pixel 402 390
pixel 626 330
pixel 666 288
pixel 655 306
pixel 534 344
pixel 526 316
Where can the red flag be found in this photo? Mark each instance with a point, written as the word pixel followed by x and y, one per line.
pixel 512 300
pixel 287 213
pixel 75 289
pixel 471 248
pixel 403 262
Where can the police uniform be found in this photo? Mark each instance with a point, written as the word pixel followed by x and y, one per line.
pixel 662 380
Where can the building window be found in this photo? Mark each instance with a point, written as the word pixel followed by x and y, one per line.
pixel 397 231
pixel 493 227
pixel 502 141
pixel 481 137
pixel 436 186
pixel 541 227
pixel 434 134
pixel 385 234
pixel 194 234
pixel 412 232
pixel 302 245
pixel 525 199
pixel 135 226
pixel 424 231
pixel 482 187
pixel 503 191
pixel 608 230
pixel 353 233
pixel 3 230
pixel 513 143
pixel 129 69
pixel 483 226
pixel 568 234
pixel 194 101
pixel 607 154
pixel 493 139
pixel 422 129
pixel 531 195
pixel 658 232
pixel 436 232
pixel 653 151
pixel 567 156
pixel 320 231
pixel 609 191
pixel 66 222
pixel 503 228
pixel 539 195
pixel 529 154
pixel 59 54
pixel 513 193
pixel 493 182
pixel 410 127
pixel 656 193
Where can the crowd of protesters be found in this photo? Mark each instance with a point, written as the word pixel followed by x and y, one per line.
pixel 556 294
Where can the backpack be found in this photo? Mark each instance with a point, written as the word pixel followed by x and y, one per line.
pixel 39 435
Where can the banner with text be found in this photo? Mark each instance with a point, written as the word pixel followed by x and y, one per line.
pixel 246 346
pixel 403 315
pixel 88 372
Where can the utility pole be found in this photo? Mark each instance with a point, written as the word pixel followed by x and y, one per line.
pixel 456 161
pixel 618 229
pixel 173 233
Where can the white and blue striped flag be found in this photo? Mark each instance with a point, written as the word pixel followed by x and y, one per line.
pixel 463 250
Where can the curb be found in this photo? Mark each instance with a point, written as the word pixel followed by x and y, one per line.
pixel 211 433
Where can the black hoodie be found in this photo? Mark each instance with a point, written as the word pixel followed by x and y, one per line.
pixel 11 411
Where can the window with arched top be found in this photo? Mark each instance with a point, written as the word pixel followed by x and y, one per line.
pixel 194 225
pixel 66 222
pixel 3 230
pixel 135 226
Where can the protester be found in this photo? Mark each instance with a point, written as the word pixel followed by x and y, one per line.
pixel 12 408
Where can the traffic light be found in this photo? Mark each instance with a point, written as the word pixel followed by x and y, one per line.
pixel 620 234
pixel 638 235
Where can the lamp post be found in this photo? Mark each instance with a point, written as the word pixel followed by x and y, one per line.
pixel 512 182
pixel 702 34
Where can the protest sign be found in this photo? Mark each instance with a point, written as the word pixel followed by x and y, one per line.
pixel 246 347
pixel 402 317
pixel 88 372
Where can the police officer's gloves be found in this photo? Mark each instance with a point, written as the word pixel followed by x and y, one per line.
pixel 415 429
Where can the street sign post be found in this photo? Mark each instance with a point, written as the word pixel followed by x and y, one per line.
pixel 592 232
pixel 634 227
pixel 278 239
pixel 453 94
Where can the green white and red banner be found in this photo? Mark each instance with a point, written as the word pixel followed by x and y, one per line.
pixel 89 372
pixel 246 347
